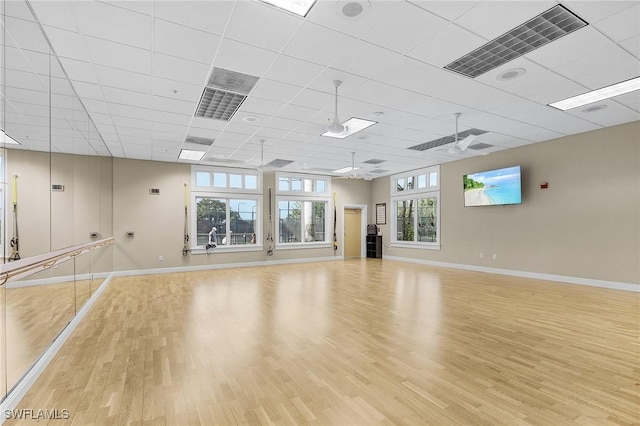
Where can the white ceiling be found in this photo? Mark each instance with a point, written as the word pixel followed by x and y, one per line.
pixel 140 67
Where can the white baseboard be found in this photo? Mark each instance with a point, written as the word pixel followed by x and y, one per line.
pixel 23 386
pixel 169 270
pixel 524 274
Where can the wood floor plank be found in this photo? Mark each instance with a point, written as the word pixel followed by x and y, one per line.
pixel 348 342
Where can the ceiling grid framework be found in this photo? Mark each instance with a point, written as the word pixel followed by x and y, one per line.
pixel 141 67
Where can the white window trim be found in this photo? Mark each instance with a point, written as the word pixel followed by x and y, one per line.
pixel 415 194
pixel 228 170
pixel 326 179
pixel 226 248
pixel 303 244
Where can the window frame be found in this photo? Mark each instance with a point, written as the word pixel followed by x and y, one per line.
pixel 227 194
pixel 415 193
pixel 302 196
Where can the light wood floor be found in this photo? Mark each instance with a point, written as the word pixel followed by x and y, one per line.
pixel 356 342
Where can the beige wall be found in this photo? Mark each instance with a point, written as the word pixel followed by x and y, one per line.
pixel 52 220
pixel 585 225
pixel 158 220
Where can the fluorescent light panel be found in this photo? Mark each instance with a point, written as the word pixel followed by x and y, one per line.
pixel 598 94
pixel 299 7
pixel 8 140
pixel 189 154
pixel 346 169
pixel 351 126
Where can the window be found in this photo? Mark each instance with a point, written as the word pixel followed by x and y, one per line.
pixel 415 197
pixel 303 203
pixel 227 203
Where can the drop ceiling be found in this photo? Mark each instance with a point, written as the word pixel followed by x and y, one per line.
pixel 140 69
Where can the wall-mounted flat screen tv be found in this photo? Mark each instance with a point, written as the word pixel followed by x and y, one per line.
pixel 493 187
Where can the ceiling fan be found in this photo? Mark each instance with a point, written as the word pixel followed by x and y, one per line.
pixel 459 146
pixel 352 173
pixel 261 165
pixel 336 127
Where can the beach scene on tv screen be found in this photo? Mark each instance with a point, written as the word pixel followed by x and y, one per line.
pixel 493 187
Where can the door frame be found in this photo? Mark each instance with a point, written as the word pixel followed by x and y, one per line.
pixel 363 227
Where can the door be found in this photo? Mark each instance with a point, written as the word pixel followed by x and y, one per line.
pixel 352 233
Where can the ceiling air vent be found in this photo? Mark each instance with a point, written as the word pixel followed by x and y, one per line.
pixel 446 140
pixel 199 141
pixel 277 163
pixel 544 28
pixel 378 171
pixel 374 161
pixel 225 92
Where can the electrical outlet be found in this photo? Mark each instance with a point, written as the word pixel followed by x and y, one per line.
pixel 160 258
pixel 481 255
pixel 494 256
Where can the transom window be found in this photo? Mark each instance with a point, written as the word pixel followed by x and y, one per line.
pixel 303 204
pixel 415 198
pixel 226 209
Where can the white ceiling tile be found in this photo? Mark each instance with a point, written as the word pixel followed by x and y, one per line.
pixel 593 63
pixel 175 129
pixel 482 20
pixel 261 25
pixel 96 106
pixel 121 79
pixel 263 107
pixel 101 119
pixel 79 70
pixel 18 9
pixel 167 117
pixel 25 60
pixel 616 72
pixel 314 99
pixel 210 16
pixel 126 57
pixel 569 48
pixel 26 34
pixel 447 45
pixel 244 58
pixel 184 42
pixel 388 96
pixel 208 124
pixel 130 111
pixel 178 69
pixel 68 44
pixel 88 90
pixel 622 25
pixel 175 106
pixel 127 97
pixel 293 71
pixel 613 115
pixel 274 91
pixel 632 45
pixel 296 112
pixel 318 44
pixel 363 58
pixel 133 123
pixel 631 100
pixel 449 10
pixel 55 14
pixel 403 27
pixel 113 23
pixel 596 10
pixel 329 14
pixel 145 7
pixel 176 89
pixel 270 133
pixel 556 93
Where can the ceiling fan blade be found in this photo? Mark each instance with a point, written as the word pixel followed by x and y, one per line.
pixel 464 143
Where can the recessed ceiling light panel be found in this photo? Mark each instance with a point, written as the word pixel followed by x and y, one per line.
pixel 190 155
pixel 598 94
pixel 6 139
pixel 351 126
pixel 299 7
